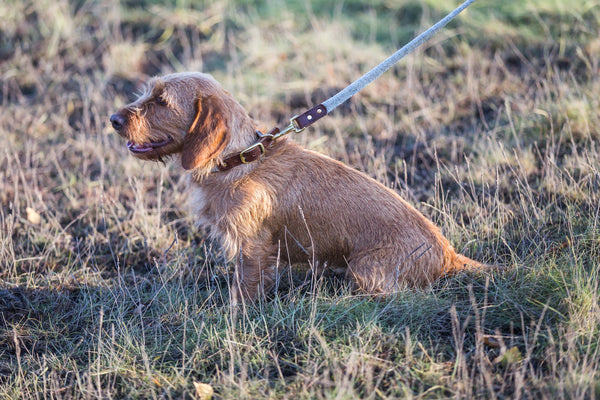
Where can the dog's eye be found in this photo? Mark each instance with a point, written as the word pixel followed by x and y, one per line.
pixel 161 101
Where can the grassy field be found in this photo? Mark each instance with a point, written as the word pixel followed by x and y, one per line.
pixel 492 130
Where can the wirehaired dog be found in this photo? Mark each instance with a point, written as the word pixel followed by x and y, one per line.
pixel 290 202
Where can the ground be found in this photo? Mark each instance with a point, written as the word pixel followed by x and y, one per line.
pixel 107 289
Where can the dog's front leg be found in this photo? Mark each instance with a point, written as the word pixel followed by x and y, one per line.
pixel 254 273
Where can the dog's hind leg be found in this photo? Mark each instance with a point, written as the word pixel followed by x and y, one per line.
pixel 380 272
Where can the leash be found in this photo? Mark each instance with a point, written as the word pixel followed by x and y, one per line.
pixel 299 122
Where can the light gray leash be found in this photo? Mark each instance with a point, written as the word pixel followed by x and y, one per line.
pixel 299 122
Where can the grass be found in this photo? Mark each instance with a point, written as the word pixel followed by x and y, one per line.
pixel 108 291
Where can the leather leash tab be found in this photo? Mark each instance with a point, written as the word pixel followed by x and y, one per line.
pixel 309 117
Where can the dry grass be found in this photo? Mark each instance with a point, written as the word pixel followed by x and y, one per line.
pixel 108 291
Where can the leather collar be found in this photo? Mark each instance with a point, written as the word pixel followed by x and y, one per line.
pixel 251 153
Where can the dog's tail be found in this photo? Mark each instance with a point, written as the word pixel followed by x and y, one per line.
pixel 457 262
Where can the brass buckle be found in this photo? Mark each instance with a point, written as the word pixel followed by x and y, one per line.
pixel 262 152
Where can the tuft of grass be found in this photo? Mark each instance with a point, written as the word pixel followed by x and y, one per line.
pixel 107 289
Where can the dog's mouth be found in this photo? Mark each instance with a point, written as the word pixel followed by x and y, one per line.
pixel 146 147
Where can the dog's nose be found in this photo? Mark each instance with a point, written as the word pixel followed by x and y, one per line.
pixel 117 121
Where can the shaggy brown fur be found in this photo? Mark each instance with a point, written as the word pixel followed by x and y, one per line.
pixel 295 203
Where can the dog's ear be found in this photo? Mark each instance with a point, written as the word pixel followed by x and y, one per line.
pixel 208 135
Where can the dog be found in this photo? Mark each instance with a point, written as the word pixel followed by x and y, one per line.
pixel 290 203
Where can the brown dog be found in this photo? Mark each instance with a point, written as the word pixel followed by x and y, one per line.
pixel 292 203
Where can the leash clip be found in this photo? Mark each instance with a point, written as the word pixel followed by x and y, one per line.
pixel 291 127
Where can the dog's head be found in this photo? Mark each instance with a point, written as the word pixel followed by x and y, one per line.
pixel 187 113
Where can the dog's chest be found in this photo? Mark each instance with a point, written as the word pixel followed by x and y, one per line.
pixel 230 216
pixel 200 206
